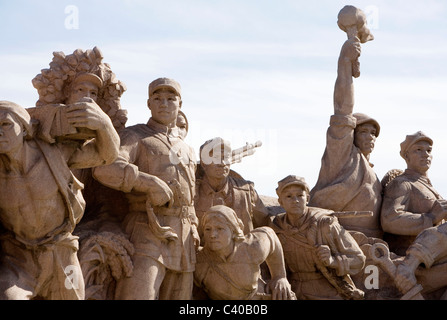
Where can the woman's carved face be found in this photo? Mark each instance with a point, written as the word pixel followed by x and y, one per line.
pixel 11 133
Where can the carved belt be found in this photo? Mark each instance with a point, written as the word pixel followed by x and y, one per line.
pixel 181 212
pixel 59 236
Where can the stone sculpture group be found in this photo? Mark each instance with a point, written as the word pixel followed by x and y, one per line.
pixel 92 209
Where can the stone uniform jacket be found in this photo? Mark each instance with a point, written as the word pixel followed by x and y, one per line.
pixel 407 200
pixel 150 148
pixel 237 194
pixel 318 228
pixel 299 243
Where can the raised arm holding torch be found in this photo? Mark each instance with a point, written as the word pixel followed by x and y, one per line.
pixel 353 21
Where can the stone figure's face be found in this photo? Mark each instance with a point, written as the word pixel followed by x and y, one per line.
pixel 217 166
pixel 419 156
pixel 293 199
pixel 11 133
pixel 217 171
pixel 217 234
pixel 182 126
pixel 365 138
pixel 83 89
pixel 164 104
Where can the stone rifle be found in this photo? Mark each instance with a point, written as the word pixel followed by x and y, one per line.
pixel 352 214
pixel 247 150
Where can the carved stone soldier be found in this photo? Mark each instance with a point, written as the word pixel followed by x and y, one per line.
pixel 411 204
pixel 320 255
pixel 217 184
pixel 156 170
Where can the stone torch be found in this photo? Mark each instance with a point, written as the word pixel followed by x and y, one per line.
pixel 353 21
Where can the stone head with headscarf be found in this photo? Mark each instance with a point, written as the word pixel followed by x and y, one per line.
pixel 227 216
pixel 21 115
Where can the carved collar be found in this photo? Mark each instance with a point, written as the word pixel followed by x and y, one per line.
pixel 305 221
pixel 210 191
pixel 161 128
pixel 417 176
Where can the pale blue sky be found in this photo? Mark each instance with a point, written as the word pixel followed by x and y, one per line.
pixel 251 70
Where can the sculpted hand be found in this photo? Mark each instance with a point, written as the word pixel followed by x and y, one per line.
pixel 439 211
pixel 159 193
pixel 351 49
pixel 280 289
pixel 86 114
pixel 324 254
pixel 195 236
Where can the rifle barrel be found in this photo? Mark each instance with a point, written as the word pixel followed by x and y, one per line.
pixel 353 214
